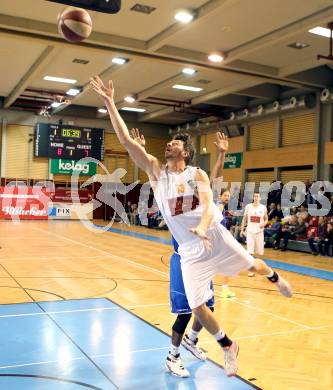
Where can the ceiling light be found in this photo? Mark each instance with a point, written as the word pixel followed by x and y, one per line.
pixel 184 16
pixel 187 88
pixel 102 110
pixel 189 71
pixel 129 99
pixel 133 109
pixel 59 80
pixel 322 31
pixel 119 60
pixel 298 45
pixel 73 91
pixel 216 57
pixel 56 104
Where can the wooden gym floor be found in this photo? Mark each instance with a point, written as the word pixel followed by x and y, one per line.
pixel 284 344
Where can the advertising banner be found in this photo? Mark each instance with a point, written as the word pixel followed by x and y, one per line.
pixel 68 167
pixel 23 203
pixel 233 160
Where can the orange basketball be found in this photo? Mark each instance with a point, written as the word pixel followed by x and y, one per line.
pixel 74 24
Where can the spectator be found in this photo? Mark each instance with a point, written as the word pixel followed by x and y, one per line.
pixel 328 239
pixel 272 229
pixel 291 230
pixel 319 238
pixel 133 214
pixel 235 228
pixel 272 213
pixel 302 214
pixel 279 212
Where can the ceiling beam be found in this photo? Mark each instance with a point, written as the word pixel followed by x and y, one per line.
pixel 264 91
pixel 230 101
pixel 202 13
pixel 105 45
pixel 318 18
pixel 201 99
pixel 34 70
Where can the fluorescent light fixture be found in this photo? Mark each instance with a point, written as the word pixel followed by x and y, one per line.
pixel 59 80
pixel 73 91
pixel 129 99
pixel 189 71
pixel 133 109
pixel 184 16
pixel 56 104
pixel 216 57
pixel 102 110
pixel 324 32
pixel 119 60
pixel 187 88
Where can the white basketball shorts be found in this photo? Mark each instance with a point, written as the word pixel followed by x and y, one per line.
pixel 200 265
pixel 255 243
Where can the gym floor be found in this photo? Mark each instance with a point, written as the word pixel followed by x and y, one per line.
pixel 86 309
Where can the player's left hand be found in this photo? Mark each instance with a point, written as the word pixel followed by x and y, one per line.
pixel 203 236
pixel 222 142
pixel 137 137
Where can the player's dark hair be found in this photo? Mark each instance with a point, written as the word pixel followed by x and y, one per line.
pixel 188 146
pixel 224 190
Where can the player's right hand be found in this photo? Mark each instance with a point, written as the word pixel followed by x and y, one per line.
pixel 203 236
pixel 98 86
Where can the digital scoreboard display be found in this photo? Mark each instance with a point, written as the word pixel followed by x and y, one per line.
pixel 68 142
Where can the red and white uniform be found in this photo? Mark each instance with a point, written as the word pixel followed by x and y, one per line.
pixel 177 197
pixel 255 229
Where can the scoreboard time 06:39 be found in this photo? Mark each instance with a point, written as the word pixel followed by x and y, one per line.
pixel 68 142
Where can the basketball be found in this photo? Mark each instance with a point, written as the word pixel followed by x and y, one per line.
pixel 74 24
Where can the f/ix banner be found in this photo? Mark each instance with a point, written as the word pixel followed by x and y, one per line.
pixel 23 202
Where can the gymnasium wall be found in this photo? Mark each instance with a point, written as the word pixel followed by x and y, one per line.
pixel 17 152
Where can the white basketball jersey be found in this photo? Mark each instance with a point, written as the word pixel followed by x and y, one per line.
pixel 177 197
pixel 255 217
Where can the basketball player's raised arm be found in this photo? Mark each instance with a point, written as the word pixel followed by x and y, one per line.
pixel 145 161
pixel 222 145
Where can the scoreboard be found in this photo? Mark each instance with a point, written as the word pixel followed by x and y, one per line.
pixel 68 142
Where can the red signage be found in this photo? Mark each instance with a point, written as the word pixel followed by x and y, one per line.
pixel 23 202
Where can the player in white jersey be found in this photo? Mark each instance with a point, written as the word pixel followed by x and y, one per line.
pixel 185 199
pixel 256 218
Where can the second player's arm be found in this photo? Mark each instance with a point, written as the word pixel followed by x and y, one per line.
pixel 222 145
pixel 244 222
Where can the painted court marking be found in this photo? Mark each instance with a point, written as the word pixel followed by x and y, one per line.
pixel 164 274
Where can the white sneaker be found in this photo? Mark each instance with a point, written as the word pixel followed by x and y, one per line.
pixel 251 274
pixel 193 348
pixel 284 287
pixel 230 359
pixel 174 364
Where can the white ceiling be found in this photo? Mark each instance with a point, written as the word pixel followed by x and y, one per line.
pixel 254 34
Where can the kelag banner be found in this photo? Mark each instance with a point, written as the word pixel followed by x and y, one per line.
pixel 68 167
pixel 233 160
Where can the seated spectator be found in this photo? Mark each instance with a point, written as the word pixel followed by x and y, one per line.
pixel 235 228
pixel 328 239
pixel 272 213
pixel 272 229
pixel 293 229
pixel 279 212
pixel 302 214
pixel 133 215
pixel 318 238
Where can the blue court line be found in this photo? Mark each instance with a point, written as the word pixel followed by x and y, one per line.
pixel 299 269
pixel 307 271
pixel 160 240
